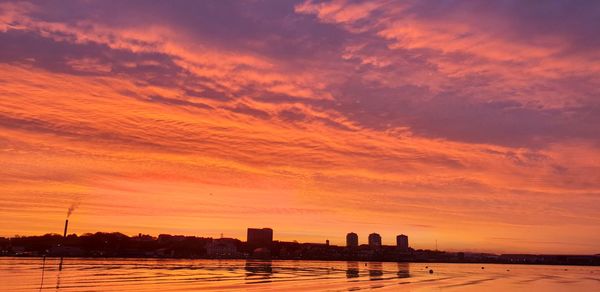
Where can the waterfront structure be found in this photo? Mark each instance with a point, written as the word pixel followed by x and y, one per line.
pixel 402 242
pixel 259 238
pixel 352 239
pixel 222 248
pixel 374 240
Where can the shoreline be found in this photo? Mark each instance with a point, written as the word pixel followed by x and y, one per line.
pixel 301 260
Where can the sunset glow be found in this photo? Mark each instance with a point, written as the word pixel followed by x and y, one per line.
pixel 473 123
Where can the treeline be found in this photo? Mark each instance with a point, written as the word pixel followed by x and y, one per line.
pixel 102 244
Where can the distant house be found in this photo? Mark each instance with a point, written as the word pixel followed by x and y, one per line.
pixel 69 251
pixel 222 248
pixel 18 250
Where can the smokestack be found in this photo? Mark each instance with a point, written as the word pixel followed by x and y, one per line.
pixel 66 225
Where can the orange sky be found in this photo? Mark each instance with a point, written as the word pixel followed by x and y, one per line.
pixel 473 125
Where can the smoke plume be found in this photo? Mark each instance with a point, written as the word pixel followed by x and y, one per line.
pixel 72 208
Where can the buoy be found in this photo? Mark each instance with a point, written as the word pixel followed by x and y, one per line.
pixel 431 271
pixel 482 268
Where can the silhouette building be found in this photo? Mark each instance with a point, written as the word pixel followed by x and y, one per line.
pixel 402 242
pixel 374 240
pixel 258 238
pixel 352 239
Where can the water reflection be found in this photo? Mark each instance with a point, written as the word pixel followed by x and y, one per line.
pixel 43 270
pixel 352 270
pixel 375 271
pixel 58 279
pixel 258 271
pixel 403 270
pixel 128 275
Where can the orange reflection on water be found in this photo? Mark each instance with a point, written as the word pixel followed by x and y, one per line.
pixel 24 274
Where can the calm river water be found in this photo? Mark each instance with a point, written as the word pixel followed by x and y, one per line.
pixel 26 274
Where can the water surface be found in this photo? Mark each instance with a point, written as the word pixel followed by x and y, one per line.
pixel 79 274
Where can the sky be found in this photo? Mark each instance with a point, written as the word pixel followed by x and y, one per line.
pixel 475 124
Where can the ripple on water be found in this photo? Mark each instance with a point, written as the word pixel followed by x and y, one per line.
pixel 24 274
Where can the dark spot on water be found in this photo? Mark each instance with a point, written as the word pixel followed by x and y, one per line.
pixel 431 271
pixel 482 268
